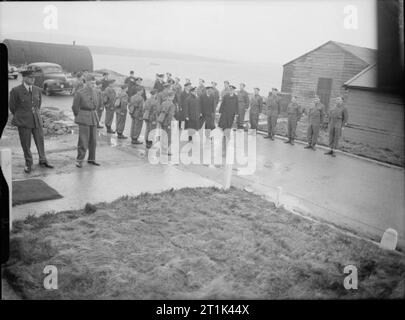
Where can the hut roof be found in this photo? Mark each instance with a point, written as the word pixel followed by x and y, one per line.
pixel 364 79
pixel 367 55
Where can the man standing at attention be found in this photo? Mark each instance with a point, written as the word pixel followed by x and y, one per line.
pixel 256 107
pixel 208 107
pixel 84 109
pixel 273 110
pixel 338 118
pixel 201 87
pixel 150 116
pixel 226 89
pixel 109 97
pixel 135 108
pixel 215 93
pixel 121 111
pixel 181 117
pixel 316 115
pixel 25 102
pixel 192 112
pixel 294 115
pixel 243 104
pixel 105 81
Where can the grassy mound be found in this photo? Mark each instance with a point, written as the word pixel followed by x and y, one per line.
pixel 201 243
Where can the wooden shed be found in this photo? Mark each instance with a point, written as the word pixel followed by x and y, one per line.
pixel 72 58
pixel 375 117
pixel 324 70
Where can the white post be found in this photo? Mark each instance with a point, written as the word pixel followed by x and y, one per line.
pixel 278 199
pixel 389 239
pixel 5 163
pixel 229 158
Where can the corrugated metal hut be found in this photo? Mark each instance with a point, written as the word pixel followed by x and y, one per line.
pixel 375 117
pixel 324 70
pixel 72 58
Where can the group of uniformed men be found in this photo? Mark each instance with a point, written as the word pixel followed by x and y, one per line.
pixel 194 106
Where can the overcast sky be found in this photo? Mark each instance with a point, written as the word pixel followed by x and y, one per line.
pixel 254 31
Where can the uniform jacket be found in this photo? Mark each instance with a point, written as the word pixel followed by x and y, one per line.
pixel 84 106
pixel 168 108
pixel 158 86
pixel 181 102
pixel 124 99
pixel 25 107
pixel 224 92
pixel 99 98
pixel 104 84
pixel 228 110
pixel 192 110
pixel 256 104
pixel 208 105
pixel 200 90
pixel 216 96
pixel 130 81
pixel 294 111
pixel 243 99
pixel 137 103
pixel 316 114
pixel 273 106
pixel 109 96
pixel 150 106
pixel 338 116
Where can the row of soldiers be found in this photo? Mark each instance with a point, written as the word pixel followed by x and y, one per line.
pixel 195 107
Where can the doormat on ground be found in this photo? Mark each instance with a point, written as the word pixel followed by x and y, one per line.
pixel 32 190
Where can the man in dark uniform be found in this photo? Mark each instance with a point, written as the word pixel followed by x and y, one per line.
pixel 85 111
pixel 228 109
pixel 294 113
pixel 201 87
pixel 25 102
pixel 192 111
pixel 243 104
pixel 256 107
pixel 130 80
pixel 215 93
pixel 140 87
pixel 316 114
pixel 273 110
pixel 105 81
pixel 159 82
pixel 226 89
pixel 338 118
pixel 180 117
pixel 135 107
pixel 208 107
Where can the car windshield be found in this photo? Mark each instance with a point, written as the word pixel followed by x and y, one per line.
pixel 52 69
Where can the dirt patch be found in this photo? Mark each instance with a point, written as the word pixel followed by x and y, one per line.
pixel 381 154
pixel 178 245
pixel 55 122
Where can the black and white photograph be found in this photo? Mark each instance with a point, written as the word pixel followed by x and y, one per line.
pixel 202 150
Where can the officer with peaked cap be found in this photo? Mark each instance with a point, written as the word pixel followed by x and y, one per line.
pixel 208 108
pixel 159 82
pixel 25 103
pixel 273 109
pixel 243 105
pixel 85 111
pixel 228 109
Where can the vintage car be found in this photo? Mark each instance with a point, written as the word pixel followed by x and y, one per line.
pixel 12 72
pixel 50 77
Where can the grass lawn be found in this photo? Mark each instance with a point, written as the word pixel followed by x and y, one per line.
pixel 201 243
pixel 381 154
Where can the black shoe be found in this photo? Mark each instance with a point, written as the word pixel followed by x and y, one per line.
pixel 45 165
pixel 308 147
pixel 27 169
pixel 329 152
pixel 93 162
pixel 109 130
pixel 136 142
pixel 266 137
pixel 121 136
pixel 79 164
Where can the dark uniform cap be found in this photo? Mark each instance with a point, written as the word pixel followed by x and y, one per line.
pixel 256 88
pixel 160 75
pixel 138 78
pixel 187 84
pixel 28 73
pixel 193 89
pixel 233 87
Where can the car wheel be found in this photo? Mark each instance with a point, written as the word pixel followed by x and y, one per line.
pixel 47 91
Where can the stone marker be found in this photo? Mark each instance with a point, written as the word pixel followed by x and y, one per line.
pixel 389 239
pixel 278 198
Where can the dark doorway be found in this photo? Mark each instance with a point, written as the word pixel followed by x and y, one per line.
pixel 324 90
